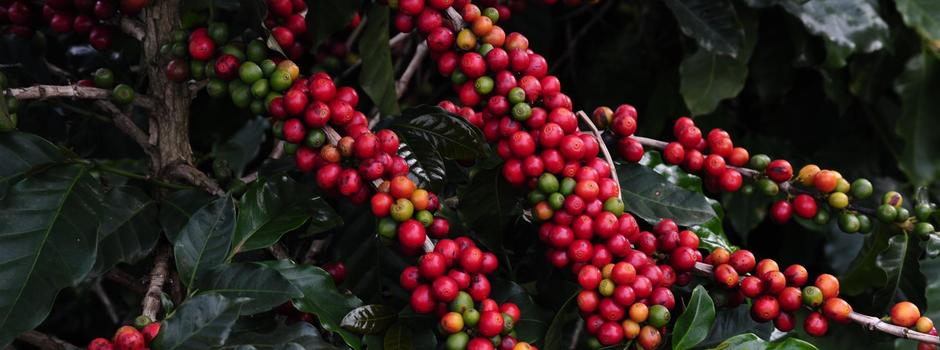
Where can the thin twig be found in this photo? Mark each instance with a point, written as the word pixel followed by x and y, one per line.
pixel 600 141
pixel 132 27
pixel 152 301
pixel 402 84
pixel 868 322
pixel 355 33
pixel 39 92
pixel 106 301
pixel 124 123
pixel 196 177
pixel 315 248
pixel 45 342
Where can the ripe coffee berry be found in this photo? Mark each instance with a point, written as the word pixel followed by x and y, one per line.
pixel 742 261
pixel 837 310
pixel 904 314
pixel 828 285
pixel 781 211
pixel 804 206
pixel 815 324
pixel 779 170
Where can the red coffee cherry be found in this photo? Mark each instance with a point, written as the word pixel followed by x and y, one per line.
pixel 751 286
pixel 589 277
pixel 673 153
pixel 828 285
pixel 904 314
pixel 491 323
pixel 837 310
pixel 796 275
pixel 610 333
pixel 683 259
pixel 444 288
pixel 588 301
pixel 779 170
pixel 804 206
pixel 410 278
pixel 790 299
pixel 743 261
pixel 726 275
pixel 815 324
pixel 730 180
pixel 422 301
pixel 411 234
pixel 785 322
pixel 609 310
pixel 781 211
pixel 765 308
pixel 129 338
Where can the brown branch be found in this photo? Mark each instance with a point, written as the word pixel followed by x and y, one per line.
pixel 196 177
pixel 45 342
pixel 132 27
pixel 355 33
pixel 106 301
pixel 124 123
pixel 125 279
pixel 600 141
pixel 151 303
pixel 279 252
pixel 402 84
pixel 868 322
pixel 40 92
pixel 315 248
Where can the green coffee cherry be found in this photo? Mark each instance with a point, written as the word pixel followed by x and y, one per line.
pixel 548 183
pixel 492 13
pixel 567 186
pixel 216 88
pixel 104 78
pixel 516 95
pixel 842 186
pixel 290 148
pixel 521 111
pixel 218 32
pixel 759 162
pixel 457 77
pixel 812 296
pixel 197 69
pixel 123 94
pixel 535 197
pixel 848 222
pixel 556 201
pixel 461 304
pixel 887 213
pixel 471 317
pixel 861 189
pixel 923 230
pixel 923 211
pixel 838 200
pixel 614 205
pixel 903 215
pixel 268 67
pixel 768 187
pixel 250 72
pixel 483 85
pixel 257 107
pixel 457 341
pixel 864 223
pixel 485 49
pixel 821 217
pixel 424 217
pixel 659 316
pixel 387 227
pixel 315 138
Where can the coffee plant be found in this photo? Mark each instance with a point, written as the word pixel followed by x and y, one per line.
pixel 410 174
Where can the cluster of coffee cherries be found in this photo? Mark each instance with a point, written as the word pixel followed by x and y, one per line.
pixel 451 282
pixel 88 17
pixel 906 314
pixel 103 78
pixel 137 337
pixel 288 25
pixel 83 17
pixel 891 210
pixel 776 295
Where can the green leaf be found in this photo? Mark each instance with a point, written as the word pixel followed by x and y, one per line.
pixel 713 23
pixel 325 17
pixel 178 207
pixel 48 236
pixel 932 246
pixel 21 152
pixel 695 322
pixel 487 204
pixel 320 297
pixel 369 319
pixel 707 78
pixel 849 23
pixel 732 322
pixel 201 322
pixel 128 230
pixel 300 333
pixel 745 211
pixel 398 337
pixel 205 241
pixel 452 136
pixel 531 326
pixel 918 121
pixel 377 77
pixel 711 236
pixel 864 272
pixel 274 206
pixel 560 335
pixel 651 197
pixel 425 163
pixel 244 145
pixel 264 286
pixel 752 342
pixel 672 173
pixel 921 15
pixel 900 263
